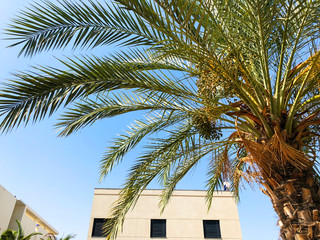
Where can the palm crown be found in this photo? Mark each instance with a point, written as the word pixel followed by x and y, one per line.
pixel 238 79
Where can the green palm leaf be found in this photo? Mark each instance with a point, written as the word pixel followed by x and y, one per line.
pixel 140 129
pixel 47 26
pixel 89 111
pixel 41 94
pixel 149 166
pixel 191 155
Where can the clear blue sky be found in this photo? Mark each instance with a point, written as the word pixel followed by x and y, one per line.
pixel 57 176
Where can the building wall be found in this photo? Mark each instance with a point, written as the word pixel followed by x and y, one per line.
pixel 12 209
pixel 30 222
pixel 17 214
pixel 7 203
pixel 184 214
pixel 29 225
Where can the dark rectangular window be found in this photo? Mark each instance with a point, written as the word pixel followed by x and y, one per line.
pixel 158 228
pixel 98 230
pixel 211 229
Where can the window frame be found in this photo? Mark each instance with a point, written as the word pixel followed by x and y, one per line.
pixel 164 230
pixel 205 229
pixel 104 220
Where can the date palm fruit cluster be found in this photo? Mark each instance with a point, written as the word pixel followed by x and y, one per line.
pixel 206 125
pixel 213 82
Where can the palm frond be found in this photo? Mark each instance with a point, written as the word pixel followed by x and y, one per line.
pixel 20 230
pixel 298 33
pixel 45 26
pixel 68 237
pixel 306 76
pixel 35 95
pixel 89 111
pixel 9 234
pixel 182 22
pixel 149 166
pixel 189 156
pixel 140 129
pixel 28 237
pixel 218 170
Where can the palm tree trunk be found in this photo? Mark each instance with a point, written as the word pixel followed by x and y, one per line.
pixel 297 202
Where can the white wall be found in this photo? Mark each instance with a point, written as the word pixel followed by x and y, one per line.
pixel 7 203
pixel 17 214
pixel 29 226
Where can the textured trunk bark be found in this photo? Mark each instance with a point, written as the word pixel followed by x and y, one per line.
pixel 297 202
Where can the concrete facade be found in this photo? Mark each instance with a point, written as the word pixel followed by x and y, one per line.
pixel 184 214
pixel 12 209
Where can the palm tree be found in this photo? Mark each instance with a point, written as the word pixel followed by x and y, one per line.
pixel 50 236
pixel 234 82
pixel 16 235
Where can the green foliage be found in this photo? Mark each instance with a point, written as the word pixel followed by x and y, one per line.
pixel 218 80
pixel 50 236
pixel 16 235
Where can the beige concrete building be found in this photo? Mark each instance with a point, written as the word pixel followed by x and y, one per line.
pixel 186 216
pixel 12 209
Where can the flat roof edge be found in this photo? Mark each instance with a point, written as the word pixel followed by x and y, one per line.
pixel 155 192
pixel 153 189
